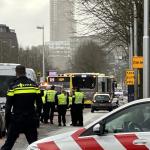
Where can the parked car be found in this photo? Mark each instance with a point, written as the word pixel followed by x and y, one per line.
pixel 2 121
pixel 125 128
pixel 102 102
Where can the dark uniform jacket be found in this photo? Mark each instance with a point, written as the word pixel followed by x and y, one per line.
pixel 23 102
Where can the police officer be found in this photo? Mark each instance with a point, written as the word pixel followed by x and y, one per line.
pixel 78 105
pixel 43 95
pixel 50 100
pixel 20 111
pixel 62 102
pixel 71 96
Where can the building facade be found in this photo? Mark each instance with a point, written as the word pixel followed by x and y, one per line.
pixel 62 25
pixel 60 54
pixel 8 45
pixel 62 28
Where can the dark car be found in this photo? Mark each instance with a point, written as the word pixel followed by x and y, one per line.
pixel 102 102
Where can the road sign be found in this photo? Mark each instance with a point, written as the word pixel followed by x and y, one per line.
pixel 137 62
pixel 129 79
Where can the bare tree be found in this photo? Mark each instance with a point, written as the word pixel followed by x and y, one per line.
pixel 111 20
pixel 90 57
pixel 32 58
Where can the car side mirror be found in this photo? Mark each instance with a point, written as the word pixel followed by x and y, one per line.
pixel 98 129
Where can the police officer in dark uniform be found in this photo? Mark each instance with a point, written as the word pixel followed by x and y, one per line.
pixel 77 107
pixel 43 114
pixel 23 106
pixel 62 102
pixel 50 102
pixel 72 114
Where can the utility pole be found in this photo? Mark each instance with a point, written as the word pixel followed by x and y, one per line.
pixel 43 51
pixel 131 47
pixel 131 87
pixel 146 71
pixel 135 53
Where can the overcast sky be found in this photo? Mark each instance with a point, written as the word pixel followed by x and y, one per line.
pixel 24 16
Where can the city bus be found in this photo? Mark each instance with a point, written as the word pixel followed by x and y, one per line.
pixel 89 83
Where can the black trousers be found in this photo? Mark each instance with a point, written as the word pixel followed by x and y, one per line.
pixel 62 114
pixel 52 110
pixel 13 133
pixel 49 111
pixel 43 115
pixel 78 114
pixel 73 115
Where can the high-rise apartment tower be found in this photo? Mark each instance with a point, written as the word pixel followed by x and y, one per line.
pixel 62 25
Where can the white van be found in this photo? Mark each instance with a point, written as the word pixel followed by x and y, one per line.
pixel 7 74
pixel 30 73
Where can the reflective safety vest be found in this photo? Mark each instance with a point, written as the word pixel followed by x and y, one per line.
pixel 62 99
pixel 23 89
pixel 70 100
pixel 79 97
pixel 51 95
pixel 44 97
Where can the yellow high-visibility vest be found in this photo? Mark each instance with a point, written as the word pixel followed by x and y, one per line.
pixel 79 97
pixel 70 100
pixel 62 99
pixel 44 97
pixel 51 95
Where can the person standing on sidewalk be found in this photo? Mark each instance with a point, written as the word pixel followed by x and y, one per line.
pixel 22 110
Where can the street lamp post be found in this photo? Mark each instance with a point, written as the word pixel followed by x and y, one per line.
pixel 42 28
pixel 146 70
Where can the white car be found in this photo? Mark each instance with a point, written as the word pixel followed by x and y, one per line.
pixel 125 128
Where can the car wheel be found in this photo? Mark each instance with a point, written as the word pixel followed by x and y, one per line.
pixel 92 110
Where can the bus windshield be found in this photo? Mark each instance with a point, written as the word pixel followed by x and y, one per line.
pixel 4 83
pixel 63 81
pixel 84 82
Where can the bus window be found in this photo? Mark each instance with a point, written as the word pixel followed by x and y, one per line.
pixel 88 82
pixel 108 85
pixel 103 87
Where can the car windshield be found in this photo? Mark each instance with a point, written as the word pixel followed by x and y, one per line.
pixel 100 98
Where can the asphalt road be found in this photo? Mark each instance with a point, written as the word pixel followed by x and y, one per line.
pixel 46 130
